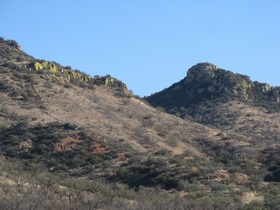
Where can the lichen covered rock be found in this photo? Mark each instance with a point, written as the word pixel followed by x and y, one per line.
pixel 201 72
pixel 44 65
pixel 206 82
pixel 71 74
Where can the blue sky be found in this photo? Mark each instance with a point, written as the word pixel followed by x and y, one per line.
pixel 149 44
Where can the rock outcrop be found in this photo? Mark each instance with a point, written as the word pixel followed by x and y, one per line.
pixel 201 72
pixel 65 75
pixel 206 81
pixel 15 45
pixel 206 78
pixel 43 65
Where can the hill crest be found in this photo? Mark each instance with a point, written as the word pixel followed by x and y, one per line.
pixel 89 143
pixel 205 81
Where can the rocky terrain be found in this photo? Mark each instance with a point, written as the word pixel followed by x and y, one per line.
pixel 206 82
pixel 221 99
pixel 71 141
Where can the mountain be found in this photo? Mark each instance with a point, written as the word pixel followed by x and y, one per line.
pixel 207 82
pixel 221 99
pixel 224 100
pixel 72 141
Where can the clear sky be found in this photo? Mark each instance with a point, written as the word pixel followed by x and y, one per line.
pixel 149 44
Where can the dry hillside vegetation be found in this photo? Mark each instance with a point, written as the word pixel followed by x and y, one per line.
pixel 89 143
pixel 100 111
pixel 253 122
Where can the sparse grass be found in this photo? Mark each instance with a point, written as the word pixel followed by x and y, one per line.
pixel 68 85
pixel 172 142
pixel 139 151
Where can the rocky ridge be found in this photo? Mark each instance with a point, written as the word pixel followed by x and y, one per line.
pixel 225 82
pixel 90 144
pixel 205 81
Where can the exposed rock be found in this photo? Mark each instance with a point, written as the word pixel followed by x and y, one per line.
pixel 265 88
pixel 43 65
pixel 201 72
pixel 218 81
pixel 15 45
pixel 115 83
pixel 207 82
pixel 18 47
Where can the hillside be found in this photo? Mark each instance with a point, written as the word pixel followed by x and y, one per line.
pixel 207 82
pixel 89 143
pixel 221 99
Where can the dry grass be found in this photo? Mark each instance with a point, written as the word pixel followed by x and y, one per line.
pixel 100 111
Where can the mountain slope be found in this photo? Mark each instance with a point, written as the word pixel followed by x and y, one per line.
pixel 222 99
pixel 205 81
pixel 77 131
pixel 230 102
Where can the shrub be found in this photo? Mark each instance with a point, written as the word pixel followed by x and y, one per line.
pixel 67 85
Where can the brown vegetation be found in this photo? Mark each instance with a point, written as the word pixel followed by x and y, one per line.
pixel 88 143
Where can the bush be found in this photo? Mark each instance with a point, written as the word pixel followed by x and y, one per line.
pixel 67 85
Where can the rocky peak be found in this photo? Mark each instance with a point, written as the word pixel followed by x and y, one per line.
pixel 207 82
pixel 206 78
pixel 201 72
pixel 14 44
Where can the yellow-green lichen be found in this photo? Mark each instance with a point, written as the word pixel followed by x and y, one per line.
pixel 266 88
pixel 45 65
pixel 109 81
pixel 75 75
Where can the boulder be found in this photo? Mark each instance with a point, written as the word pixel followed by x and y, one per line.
pixel 201 72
